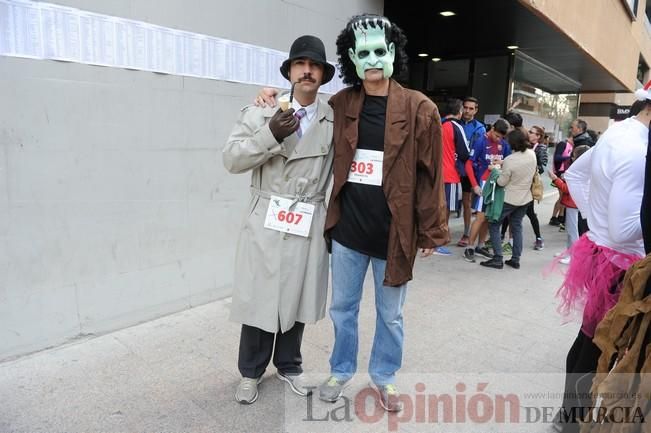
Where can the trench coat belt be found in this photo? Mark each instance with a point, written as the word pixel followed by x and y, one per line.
pixel 315 197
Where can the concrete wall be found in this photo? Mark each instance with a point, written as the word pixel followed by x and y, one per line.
pixel 602 123
pixel 114 205
pixel 642 33
pixel 599 124
pixel 615 98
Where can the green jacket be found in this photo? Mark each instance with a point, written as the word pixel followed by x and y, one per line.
pixel 493 195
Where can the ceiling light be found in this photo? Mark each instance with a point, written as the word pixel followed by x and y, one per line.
pixel 436 59
pixel 484 74
pixel 447 13
pixel 512 47
pixel 423 54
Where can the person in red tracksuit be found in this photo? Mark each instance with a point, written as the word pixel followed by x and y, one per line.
pixel 456 160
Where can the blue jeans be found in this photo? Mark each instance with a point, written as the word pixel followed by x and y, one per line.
pixel 515 214
pixel 348 271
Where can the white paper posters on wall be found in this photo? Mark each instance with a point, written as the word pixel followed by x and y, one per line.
pixel 48 31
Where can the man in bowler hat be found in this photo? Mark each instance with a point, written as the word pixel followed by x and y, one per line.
pixel 281 263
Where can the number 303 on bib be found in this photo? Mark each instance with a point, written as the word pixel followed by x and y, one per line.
pixel 366 167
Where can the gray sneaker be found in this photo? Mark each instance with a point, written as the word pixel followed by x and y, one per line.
pixel 484 252
pixel 247 390
pixel 389 397
pixel 296 383
pixel 332 389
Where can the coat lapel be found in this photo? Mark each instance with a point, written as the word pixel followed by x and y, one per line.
pixel 315 140
pixel 396 128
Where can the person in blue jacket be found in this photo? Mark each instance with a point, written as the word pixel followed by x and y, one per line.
pixel 489 149
pixel 474 130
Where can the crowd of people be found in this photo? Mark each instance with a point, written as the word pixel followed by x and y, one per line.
pixel 471 155
pixel 398 172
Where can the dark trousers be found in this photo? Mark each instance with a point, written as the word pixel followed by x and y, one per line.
pixel 505 226
pixel 256 347
pixel 581 366
pixel 645 213
pixel 583 225
pixel 515 215
pixel 533 217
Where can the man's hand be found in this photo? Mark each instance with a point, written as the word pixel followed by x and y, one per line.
pixel 267 96
pixel 283 124
pixel 552 175
pixel 476 189
pixel 425 252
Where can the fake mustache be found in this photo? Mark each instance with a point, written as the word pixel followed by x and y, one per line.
pixel 307 77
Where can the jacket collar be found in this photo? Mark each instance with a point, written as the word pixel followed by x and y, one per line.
pixel 397 125
pixel 323 111
pixel 397 100
pixel 315 140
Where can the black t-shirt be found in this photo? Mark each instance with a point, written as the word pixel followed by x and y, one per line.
pixel 365 215
pixel 646 206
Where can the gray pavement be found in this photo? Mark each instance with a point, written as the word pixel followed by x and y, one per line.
pixel 178 373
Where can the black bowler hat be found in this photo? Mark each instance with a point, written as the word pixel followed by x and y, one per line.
pixel 312 48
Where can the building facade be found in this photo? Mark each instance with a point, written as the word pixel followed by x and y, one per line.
pixel 551 61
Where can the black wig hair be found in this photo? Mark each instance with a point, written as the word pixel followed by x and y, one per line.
pixel 346 40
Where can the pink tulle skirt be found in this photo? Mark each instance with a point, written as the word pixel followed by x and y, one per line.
pixel 593 281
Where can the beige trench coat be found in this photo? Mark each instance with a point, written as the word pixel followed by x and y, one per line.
pixel 280 278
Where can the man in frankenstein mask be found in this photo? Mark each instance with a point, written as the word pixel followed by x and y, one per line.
pixel 387 200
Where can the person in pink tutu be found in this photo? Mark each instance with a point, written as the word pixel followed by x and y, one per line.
pixel 607 185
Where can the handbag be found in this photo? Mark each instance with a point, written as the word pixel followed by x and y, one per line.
pixel 537 187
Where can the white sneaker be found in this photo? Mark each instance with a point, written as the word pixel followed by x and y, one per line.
pixel 565 260
pixel 296 382
pixel 247 390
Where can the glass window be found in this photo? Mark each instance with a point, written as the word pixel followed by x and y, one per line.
pixel 631 6
pixel 543 96
pixel 554 112
pixel 642 71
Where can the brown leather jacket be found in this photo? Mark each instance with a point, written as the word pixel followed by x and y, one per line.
pixel 624 335
pixel 411 173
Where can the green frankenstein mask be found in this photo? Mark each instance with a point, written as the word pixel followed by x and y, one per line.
pixel 371 50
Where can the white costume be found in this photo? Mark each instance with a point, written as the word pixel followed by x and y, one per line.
pixel 607 184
